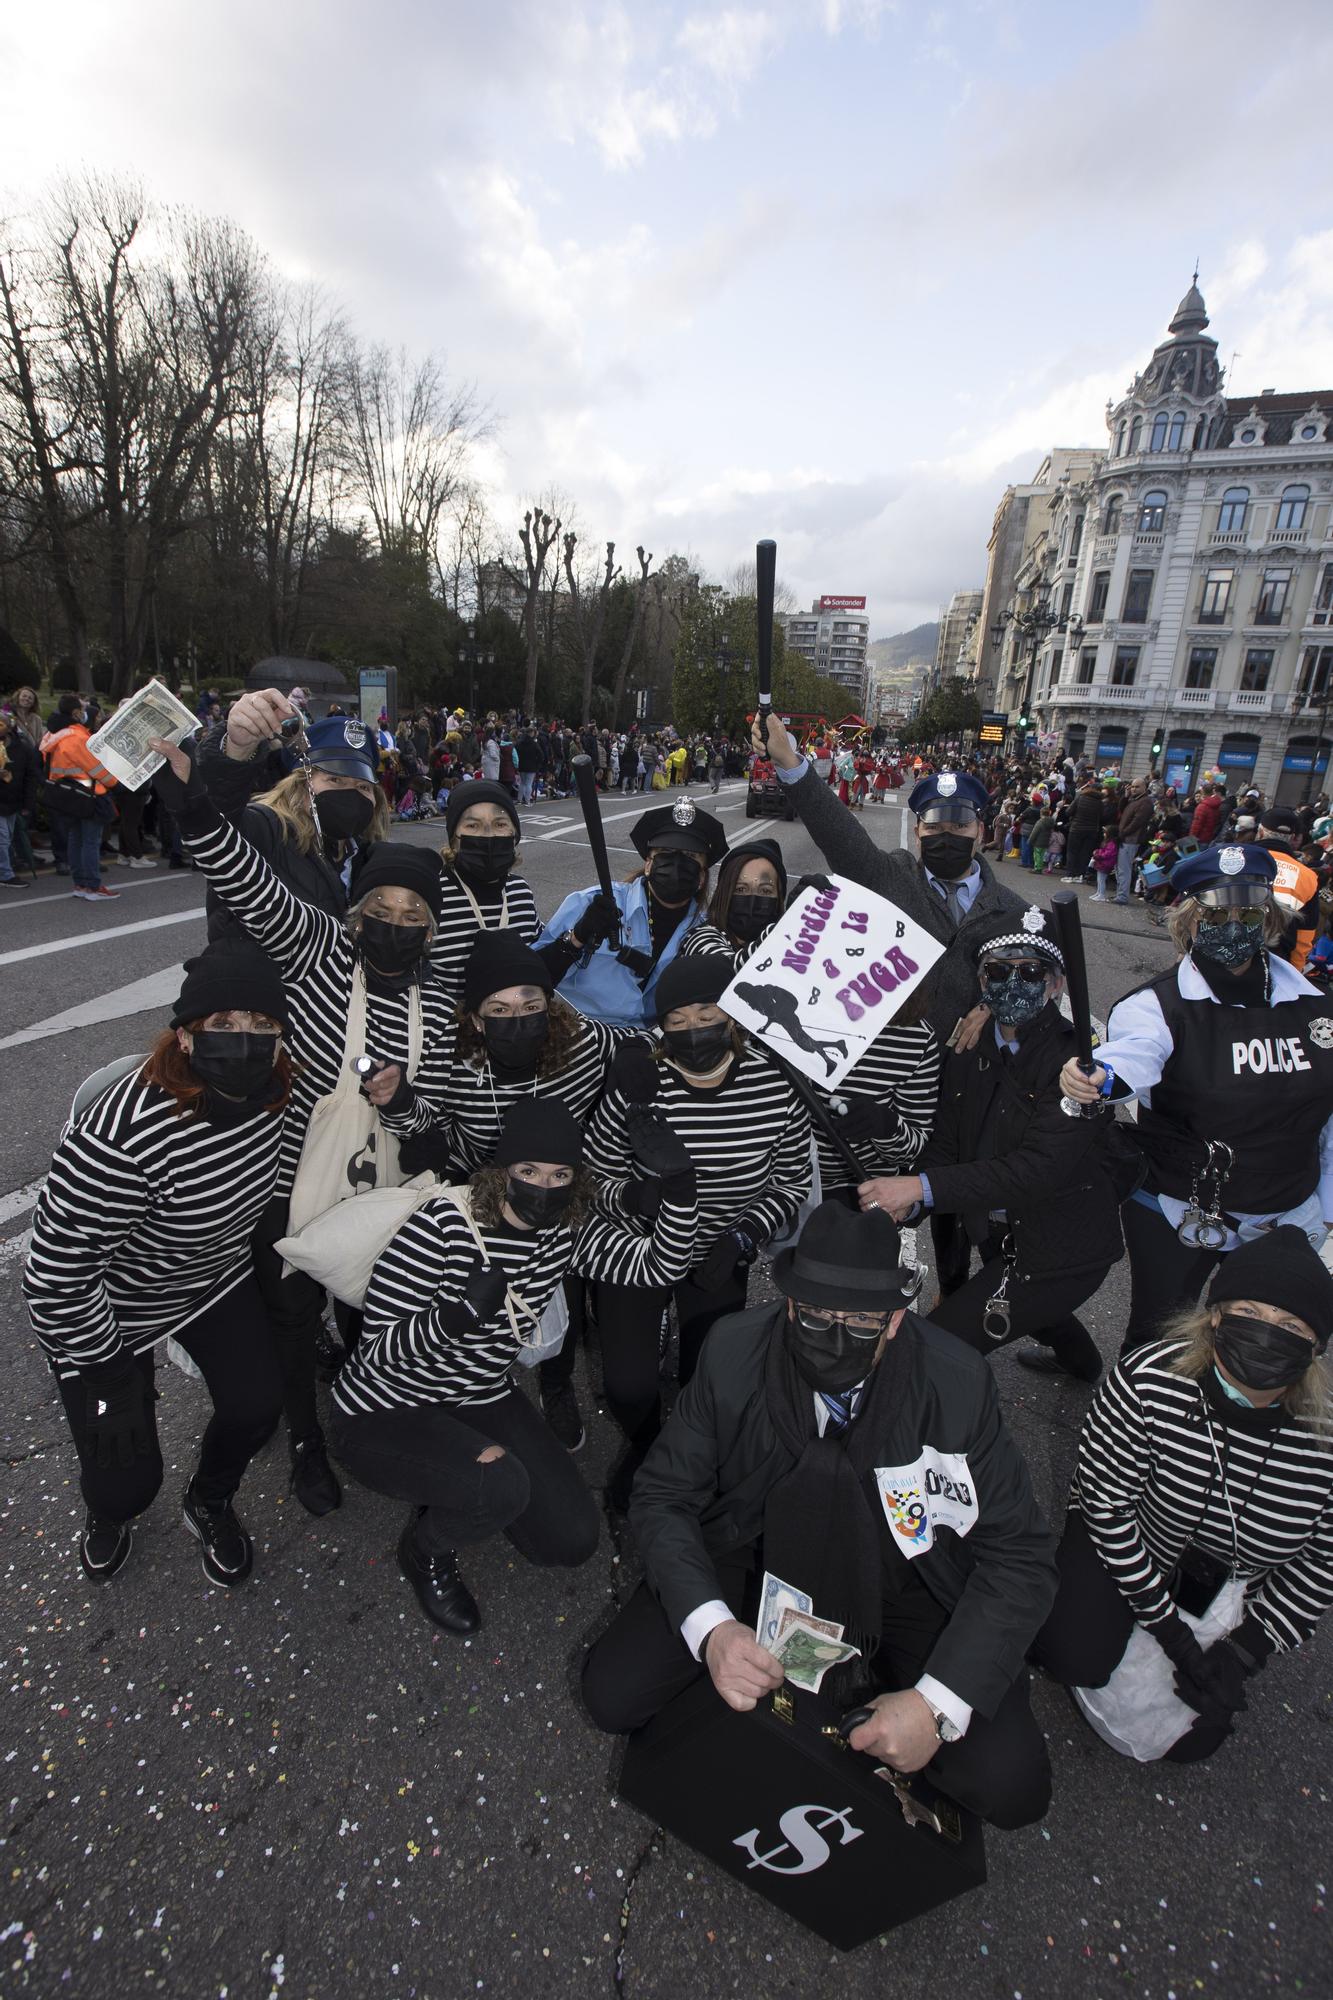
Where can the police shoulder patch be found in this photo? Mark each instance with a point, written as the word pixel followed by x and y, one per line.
pixel 1320 1031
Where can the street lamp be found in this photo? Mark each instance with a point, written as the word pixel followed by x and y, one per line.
pixel 1032 625
pixel 473 656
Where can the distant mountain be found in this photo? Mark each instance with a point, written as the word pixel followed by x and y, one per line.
pixel 918 644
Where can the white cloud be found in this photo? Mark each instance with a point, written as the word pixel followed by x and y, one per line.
pixel 730 44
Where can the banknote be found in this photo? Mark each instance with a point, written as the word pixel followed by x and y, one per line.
pixel 121 744
pixel 807 1655
pixel 776 1598
pixel 827 1627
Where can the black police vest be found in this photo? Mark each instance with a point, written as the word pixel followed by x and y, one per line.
pixel 1260 1078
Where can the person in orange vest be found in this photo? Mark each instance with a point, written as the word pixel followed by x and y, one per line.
pixel 70 763
pixel 1296 890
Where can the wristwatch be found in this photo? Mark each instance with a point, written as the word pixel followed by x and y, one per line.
pixel 945 1727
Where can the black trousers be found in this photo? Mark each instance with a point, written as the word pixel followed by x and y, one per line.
pixel 629 1320
pixel 999 1769
pixel 1079 853
pixel 295 1307
pixel 1165 1276
pixel 430 1455
pixel 1084 1639
pixel 231 1347
pixel 1038 1307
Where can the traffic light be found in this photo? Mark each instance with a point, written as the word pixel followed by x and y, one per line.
pixel 1024 720
pixel 1156 746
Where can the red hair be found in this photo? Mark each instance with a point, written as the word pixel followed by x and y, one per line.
pixel 168 1068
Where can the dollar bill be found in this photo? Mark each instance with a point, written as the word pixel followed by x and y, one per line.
pixel 121 744
pixel 776 1598
pixel 807 1655
pixel 826 1626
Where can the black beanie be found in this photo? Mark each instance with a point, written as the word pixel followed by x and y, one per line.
pixel 697 981
pixel 538 1128
pixel 397 864
pixel 1279 1269
pixel 754 850
pixel 477 792
pixel 230 973
pixel 499 959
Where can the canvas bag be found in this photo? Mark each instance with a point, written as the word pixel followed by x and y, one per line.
pixel 1138 1712
pixel 346 1149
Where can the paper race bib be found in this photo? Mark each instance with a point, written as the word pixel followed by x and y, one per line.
pixel 934 1491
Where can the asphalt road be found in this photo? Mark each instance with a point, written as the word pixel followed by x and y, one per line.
pixel 301 1790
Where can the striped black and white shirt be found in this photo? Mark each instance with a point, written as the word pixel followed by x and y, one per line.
pixel 1161 1470
pixel 318 963
pixel 476 1098
pixel 144 1222
pixel 901 1067
pixel 748 1139
pixel 707 941
pixel 513 907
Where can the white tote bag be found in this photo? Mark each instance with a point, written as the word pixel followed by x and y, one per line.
pixel 346 1150
pixel 1138 1712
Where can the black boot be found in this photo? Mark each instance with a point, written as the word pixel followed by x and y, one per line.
pixel 1068 1350
pixel 313 1480
pixel 441 1591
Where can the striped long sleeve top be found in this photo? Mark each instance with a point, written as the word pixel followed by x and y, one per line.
pixel 318 963
pixel 512 908
pixel 143 1223
pixel 476 1097
pixel 1163 1466
pixel 749 1141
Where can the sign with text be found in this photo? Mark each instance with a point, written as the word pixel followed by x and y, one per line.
pixel 842 604
pixel 829 976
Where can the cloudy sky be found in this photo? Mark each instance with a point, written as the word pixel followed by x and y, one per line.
pixel 830 270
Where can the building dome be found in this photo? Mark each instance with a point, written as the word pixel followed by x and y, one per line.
pixel 1191 315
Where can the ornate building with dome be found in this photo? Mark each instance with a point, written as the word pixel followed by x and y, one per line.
pixel 1177 614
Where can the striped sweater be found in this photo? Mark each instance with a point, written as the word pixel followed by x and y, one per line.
pixel 144 1222
pixel 513 908
pixel 749 1141
pixel 318 963
pixel 475 1100
pixel 1162 1468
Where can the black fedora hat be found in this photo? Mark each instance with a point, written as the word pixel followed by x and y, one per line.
pixel 847 1259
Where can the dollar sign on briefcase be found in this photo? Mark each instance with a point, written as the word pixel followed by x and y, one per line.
pixel 802 1829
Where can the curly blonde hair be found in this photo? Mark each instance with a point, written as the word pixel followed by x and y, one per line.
pixel 490 1184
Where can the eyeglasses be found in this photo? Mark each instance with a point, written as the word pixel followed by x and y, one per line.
pixel 1232 913
pixel 861 1326
pixel 999 971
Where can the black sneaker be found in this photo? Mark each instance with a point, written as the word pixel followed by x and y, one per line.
pixel 1073 1353
pixel 440 1590
pixel 104 1547
pixel 314 1481
pixel 228 1553
pixel 560 1407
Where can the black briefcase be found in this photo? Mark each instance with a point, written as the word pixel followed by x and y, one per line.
pixel 777 1799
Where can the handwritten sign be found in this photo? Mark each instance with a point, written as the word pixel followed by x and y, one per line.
pixel 829 976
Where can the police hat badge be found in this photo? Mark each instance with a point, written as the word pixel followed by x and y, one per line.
pixel 1231 860
pixel 354 733
pixel 946 784
pixel 1033 920
pixel 683 812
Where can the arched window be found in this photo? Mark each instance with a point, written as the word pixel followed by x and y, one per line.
pixel 1120 439
pixel 1152 513
pixel 1291 512
pixel 1176 435
pixel 1111 517
pixel 1200 433
pixel 1158 432
pixel 1231 514
pixel 1134 432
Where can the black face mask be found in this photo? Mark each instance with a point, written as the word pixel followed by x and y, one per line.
pixel 699 1049
pixel 832 1361
pixel 392 948
pixel 750 916
pixel 1016 1002
pixel 948 855
pixel 343 815
pixel 235 1065
pixel 539 1207
pixel 514 1041
pixel 675 876
pixel 1229 944
pixel 1259 1355
pixel 484 859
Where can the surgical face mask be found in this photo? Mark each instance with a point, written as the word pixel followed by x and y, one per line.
pixel 698 1049
pixel 1259 1354
pixel 514 1041
pixel 948 855
pixel 484 859
pixel 675 875
pixel 343 815
pixel 1230 944
pixel 829 1358
pixel 539 1207
pixel 235 1065
pixel 392 948
pixel 750 916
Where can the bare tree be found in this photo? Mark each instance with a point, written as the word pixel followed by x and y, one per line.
pixel 632 636
pixel 410 437
pixel 588 617
pixel 536 536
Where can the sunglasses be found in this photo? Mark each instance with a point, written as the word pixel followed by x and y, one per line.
pixel 861 1326
pixel 1232 913
pixel 999 971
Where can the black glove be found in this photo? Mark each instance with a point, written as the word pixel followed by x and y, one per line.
pixel 1214 1683
pixel 642 1199
pixel 181 796
pixel 426 1153
pixel 656 1146
pixel 116 1418
pixel 599 924
pixel 634 1072
pixel 484 1288
pixel 864 1120
pixel 820 882
pixel 737 1246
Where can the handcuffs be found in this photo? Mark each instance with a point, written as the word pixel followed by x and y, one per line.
pixel 997 1314
pixel 1202 1226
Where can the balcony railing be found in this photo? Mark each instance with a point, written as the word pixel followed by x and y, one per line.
pixel 1193 697
pixel 1148 538
pixel 1095 694
pixel 1252 701
pixel 1289 535
pixel 1228 535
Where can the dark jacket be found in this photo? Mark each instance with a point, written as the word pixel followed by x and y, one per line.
pixel 951 989
pixel 231 785
pixel 700 1496
pixel 18 784
pixel 1085 815
pixel 1134 816
pixel 1000 1140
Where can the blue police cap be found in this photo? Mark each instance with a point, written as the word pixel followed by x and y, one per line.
pixel 1234 874
pixel 949 795
pixel 343 743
